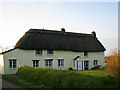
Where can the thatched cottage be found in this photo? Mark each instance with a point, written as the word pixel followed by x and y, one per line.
pixel 54 49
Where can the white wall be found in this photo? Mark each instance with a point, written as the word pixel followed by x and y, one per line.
pixel 25 57
pixel 1 64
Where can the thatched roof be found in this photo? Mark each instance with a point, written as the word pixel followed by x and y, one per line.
pixel 59 40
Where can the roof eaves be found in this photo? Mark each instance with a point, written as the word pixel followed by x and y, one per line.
pixel 8 51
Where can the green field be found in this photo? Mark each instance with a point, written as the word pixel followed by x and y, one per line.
pixel 28 77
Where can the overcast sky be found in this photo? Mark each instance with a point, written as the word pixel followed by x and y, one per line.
pixel 80 17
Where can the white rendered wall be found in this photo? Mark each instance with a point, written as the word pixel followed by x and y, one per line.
pixel 1 64
pixel 25 57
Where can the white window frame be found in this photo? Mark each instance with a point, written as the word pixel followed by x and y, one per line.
pixel 37 53
pixel 49 63
pixel 35 63
pixel 95 62
pixel 49 53
pixel 61 62
pixel 13 63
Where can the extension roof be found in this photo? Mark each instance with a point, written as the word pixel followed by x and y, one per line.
pixel 59 40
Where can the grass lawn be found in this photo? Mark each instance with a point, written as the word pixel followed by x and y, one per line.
pixel 28 77
pixel 94 72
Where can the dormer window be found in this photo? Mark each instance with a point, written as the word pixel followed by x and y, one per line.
pixel 85 54
pixel 50 52
pixel 38 52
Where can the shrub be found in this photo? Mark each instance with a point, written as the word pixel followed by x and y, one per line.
pixel 96 67
pixel 112 66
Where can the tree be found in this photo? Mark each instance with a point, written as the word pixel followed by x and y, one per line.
pixel 112 66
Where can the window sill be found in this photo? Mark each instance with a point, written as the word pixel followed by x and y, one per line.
pixel 36 67
pixel 50 54
pixel 38 55
pixel 12 68
pixel 48 66
pixel 61 66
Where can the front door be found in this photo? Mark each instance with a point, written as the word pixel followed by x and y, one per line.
pixel 79 65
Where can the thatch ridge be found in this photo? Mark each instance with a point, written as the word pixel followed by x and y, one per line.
pixel 59 40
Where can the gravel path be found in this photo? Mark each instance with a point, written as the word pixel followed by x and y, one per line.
pixel 7 84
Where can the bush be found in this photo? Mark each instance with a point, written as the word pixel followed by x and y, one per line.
pixel 112 66
pixel 96 67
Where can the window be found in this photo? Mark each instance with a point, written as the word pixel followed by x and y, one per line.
pixel 86 65
pixel 12 63
pixel 60 62
pixel 48 63
pixel 85 54
pixel 50 52
pixel 35 63
pixel 38 52
pixel 95 62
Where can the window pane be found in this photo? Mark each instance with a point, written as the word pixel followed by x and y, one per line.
pixel 50 63
pixel 33 65
pixel 12 63
pixel 33 62
pixel 50 51
pixel 58 62
pixel 37 63
pixel 46 63
pixel 14 66
pixel 38 52
pixel 95 62
pixel 85 53
pixel 61 63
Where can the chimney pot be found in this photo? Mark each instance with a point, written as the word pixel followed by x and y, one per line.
pixel 63 29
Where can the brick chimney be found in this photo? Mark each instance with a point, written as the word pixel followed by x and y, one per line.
pixel 93 33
